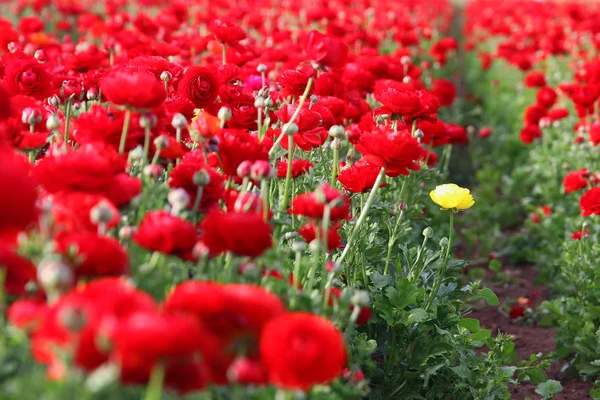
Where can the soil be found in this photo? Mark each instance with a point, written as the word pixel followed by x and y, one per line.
pixel 529 339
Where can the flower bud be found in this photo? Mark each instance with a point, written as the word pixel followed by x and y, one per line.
pixel 336 144
pixel 152 171
pixel 53 122
pixel 40 55
pixel 289 129
pixel 136 154
pixel 290 235
pixel 360 298
pixel 313 98
pixel 249 269
pixel 200 251
pixel 224 114
pixel 179 121
pixel 148 121
pixel 261 169
pixel 406 79
pixel 298 246
pixel 12 47
pixel 261 68
pixel 444 242
pixel 31 116
pixel 54 276
pixel 381 119
pixel 161 142
pixel 246 371
pixel 101 213
pixel 53 101
pixel 244 169
pixel 336 131
pixel 405 60
pixel 259 102
pixel 92 94
pixel 201 178
pixel 126 232
pixel 419 134
pixel 315 246
pixel 178 198
pixel 333 268
pixel 268 102
pixel 428 232
pixel 166 76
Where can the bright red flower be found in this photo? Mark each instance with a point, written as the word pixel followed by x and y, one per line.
pixel 558 114
pixel 246 202
pixel 359 177
pixel 577 235
pixel 182 176
pixel 71 211
pixel 17 272
pixel 311 130
pixel 585 96
pixel 299 167
pixel 245 234
pixel 326 50
pixel 364 314
pixel 236 146
pixel 227 32
pixel 23 74
pixel 535 79
pixel 533 114
pixel 590 202
pixel 312 205
pixel 293 82
pixel 300 350
pixel 160 231
pixel 576 180
pixel 546 97
pixel 200 86
pixel 397 152
pixel 92 255
pixel 529 133
pixel 133 87
pixel 17 210
pixel 445 91
pixel 309 233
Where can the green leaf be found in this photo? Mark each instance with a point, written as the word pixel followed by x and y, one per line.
pixel 462 371
pixel 481 335
pixel 549 388
pixel 380 281
pixel 495 265
pixel 489 296
pixel 469 323
pixel 537 375
pixel 595 394
pixel 417 315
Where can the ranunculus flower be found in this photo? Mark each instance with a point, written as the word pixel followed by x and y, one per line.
pixel 17 206
pixel 359 177
pixel 452 197
pixel 327 50
pixel 300 350
pixel 199 85
pixel 590 202
pixel 133 87
pixel 309 233
pixel 299 167
pixel 160 231
pixel 245 234
pixel 312 205
pixel 17 272
pixel 23 74
pixel 576 180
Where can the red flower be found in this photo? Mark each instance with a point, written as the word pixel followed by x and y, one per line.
pixel 93 169
pixel 312 205
pixel 364 314
pixel 326 50
pixel 397 152
pixel 71 211
pixel 590 202
pixel 534 113
pixel 133 87
pixel 517 311
pixel 535 79
pixel 585 96
pixel 200 86
pixel 23 74
pixel 399 103
pixel 93 255
pixel 293 82
pixel 245 234
pixel 309 233
pixel 299 167
pixel 160 231
pixel 236 146
pixel 546 97
pixel 311 131
pixel 243 113
pixel 485 132
pixel 246 202
pixel 558 114
pixel 576 180
pixel 17 206
pixel 300 350
pixel 227 32
pixel 101 125
pixel 182 176
pixel 445 91
pixel 359 177
pixel 17 272
pixel 529 133
pixel 577 235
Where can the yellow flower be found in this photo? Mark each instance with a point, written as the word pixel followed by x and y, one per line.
pixel 452 197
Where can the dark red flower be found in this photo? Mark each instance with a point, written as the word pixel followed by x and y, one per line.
pixel 299 167
pixel 133 87
pixel 199 85
pixel 160 231
pixel 590 202
pixel 300 350
pixel 23 74
pixel 245 234
pixel 517 311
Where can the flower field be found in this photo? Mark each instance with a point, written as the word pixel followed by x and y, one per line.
pixel 299 200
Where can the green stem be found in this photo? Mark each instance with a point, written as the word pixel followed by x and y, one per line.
pixel 334 169
pixel 264 194
pixel 288 175
pixel 125 130
pixel 363 214
pixel 155 384
pixel 67 120
pixel 146 145
pixel 440 277
pixel 224 54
